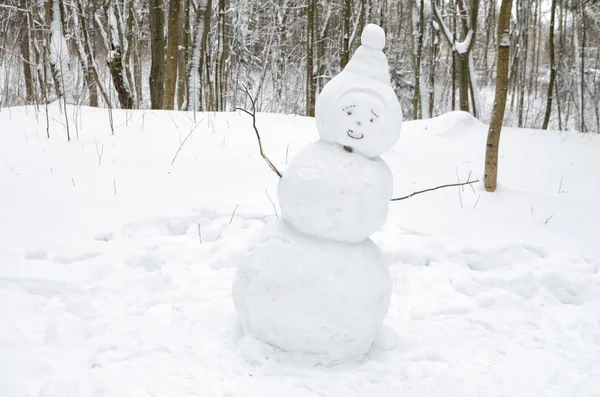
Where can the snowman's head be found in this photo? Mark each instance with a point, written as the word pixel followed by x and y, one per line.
pixel 358 108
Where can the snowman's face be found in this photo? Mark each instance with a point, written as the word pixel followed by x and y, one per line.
pixel 365 119
pixel 360 120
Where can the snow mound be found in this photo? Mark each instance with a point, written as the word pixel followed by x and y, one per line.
pixel 454 124
pixel 308 296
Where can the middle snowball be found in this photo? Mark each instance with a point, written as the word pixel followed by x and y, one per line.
pixel 330 193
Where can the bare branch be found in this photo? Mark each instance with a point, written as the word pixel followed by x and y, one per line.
pixel 260 147
pixel 233 213
pixel 183 143
pixel 272 203
pixel 434 188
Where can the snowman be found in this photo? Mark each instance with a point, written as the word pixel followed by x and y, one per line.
pixel 314 283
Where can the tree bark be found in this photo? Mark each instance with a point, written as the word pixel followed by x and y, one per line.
pixel 221 70
pixel 157 45
pixel 24 46
pixel 172 55
pixel 310 43
pixel 346 33
pixel 582 65
pixel 552 67
pixel 90 61
pixel 462 55
pixel 493 138
pixel 417 52
pixel 115 58
pixel 184 58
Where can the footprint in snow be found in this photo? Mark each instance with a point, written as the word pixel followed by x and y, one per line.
pixel 85 256
pixel 36 254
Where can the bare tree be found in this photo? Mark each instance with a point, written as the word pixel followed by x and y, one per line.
pixel 25 51
pixel 310 44
pixel 346 32
pixel 493 138
pixel 463 51
pixel 552 67
pixel 157 44
pixel 172 55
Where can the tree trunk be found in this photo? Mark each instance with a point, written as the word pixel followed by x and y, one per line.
pixel 196 75
pixel 310 43
pixel 346 33
pixel 582 65
pixel 127 42
pixel 50 10
pixel 488 38
pixel 90 61
pixel 157 45
pixel 493 138
pixel 25 52
pixel 462 50
pixel 184 59
pixel 78 23
pixel 552 67
pixel 223 55
pixel 417 52
pixel 115 58
pixel 434 54
pixel 172 55
pixel 524 12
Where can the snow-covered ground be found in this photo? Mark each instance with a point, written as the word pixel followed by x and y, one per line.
pixel 116 266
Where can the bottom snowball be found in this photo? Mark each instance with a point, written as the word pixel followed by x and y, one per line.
pixel 305 295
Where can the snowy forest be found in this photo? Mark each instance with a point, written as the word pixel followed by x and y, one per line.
pixel 197 54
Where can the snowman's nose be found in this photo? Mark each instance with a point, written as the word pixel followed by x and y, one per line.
pixel 359 123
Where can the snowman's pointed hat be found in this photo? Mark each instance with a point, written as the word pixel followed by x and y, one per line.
pixel 369 60
pixel 362 89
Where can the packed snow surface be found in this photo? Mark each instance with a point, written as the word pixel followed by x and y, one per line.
pixel 116 267
pixel 306 295
pixel 329 193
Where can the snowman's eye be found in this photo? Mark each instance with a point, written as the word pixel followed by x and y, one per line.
pixel 371 120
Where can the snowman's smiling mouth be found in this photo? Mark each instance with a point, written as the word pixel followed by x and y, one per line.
pixel 354 135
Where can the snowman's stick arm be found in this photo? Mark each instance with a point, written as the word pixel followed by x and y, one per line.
pixel 434 188
pixel 260 146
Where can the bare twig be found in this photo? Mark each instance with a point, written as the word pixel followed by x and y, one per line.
pixel 99 153
pixel 434 188
pixel 468 179
pixel 287 149
pixel 272 203
pixel 233 214
pixel 560 185
pixel 253 115
pixel 459 186
pixel 476 201
pixel 183 143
